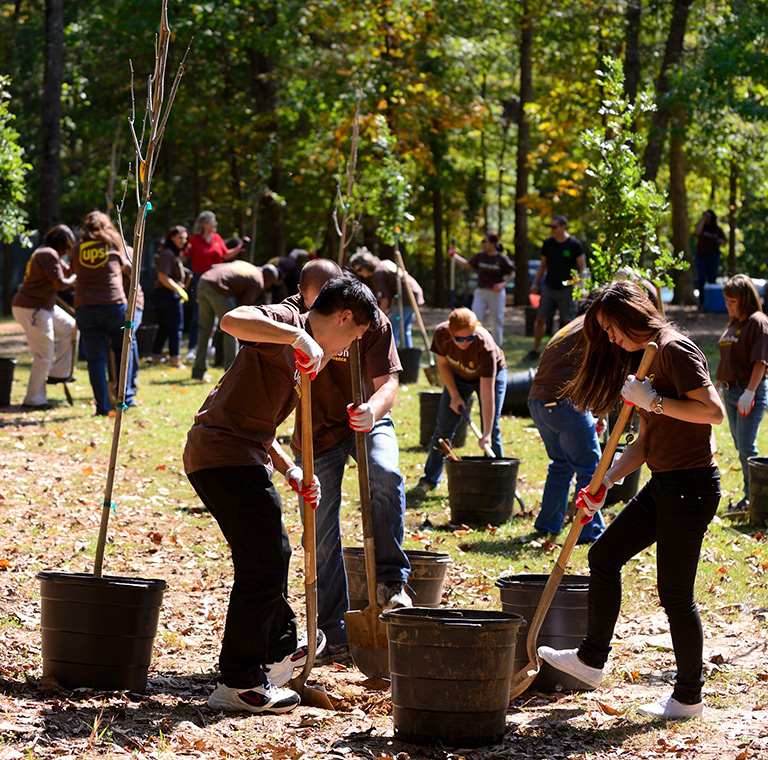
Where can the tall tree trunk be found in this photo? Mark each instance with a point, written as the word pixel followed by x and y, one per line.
pixel 437 146
pixel 673 55
pixel 53 74
pixel 632 16
pixel 733 185
pixel 681 234
pixel 523 148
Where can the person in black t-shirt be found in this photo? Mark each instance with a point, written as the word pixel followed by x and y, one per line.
pixel 560 255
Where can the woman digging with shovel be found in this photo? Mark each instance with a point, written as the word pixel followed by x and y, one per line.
pixel 678 406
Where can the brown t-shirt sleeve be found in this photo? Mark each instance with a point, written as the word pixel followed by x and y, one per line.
pixel 741 346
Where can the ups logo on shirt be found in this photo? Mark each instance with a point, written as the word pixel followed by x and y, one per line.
pixel 93 254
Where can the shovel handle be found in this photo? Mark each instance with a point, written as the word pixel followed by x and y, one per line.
pixel 415 307
pixel 486 447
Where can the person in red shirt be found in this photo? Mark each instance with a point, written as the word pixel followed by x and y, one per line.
pixel 206 248
pixel 47 326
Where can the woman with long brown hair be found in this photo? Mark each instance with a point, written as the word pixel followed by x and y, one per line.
pixel 678 405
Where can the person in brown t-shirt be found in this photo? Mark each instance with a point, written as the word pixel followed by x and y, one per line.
pixel 469 361
pixel 219 290
pixel 383 278
pixel 47 326
pixel 334 422
pixel 229 456
pixel 568 433
pixel 678 405
pixel 169 295
pixel 740 373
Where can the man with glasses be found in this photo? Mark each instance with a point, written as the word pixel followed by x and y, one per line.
pixel 469 361
pixel 561 254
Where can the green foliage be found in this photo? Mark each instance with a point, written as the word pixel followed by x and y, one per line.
pixel 628 209
pixel 13 189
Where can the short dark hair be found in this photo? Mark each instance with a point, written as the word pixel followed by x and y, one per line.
pixel 560 219
pixel 347 292
pixel 60 238
pixel 317 272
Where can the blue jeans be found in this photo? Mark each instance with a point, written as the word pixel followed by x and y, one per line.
pixel 707 266
pixel 394 318
pixel 572 447
pixel 388 512
pixel 673 511
pixel 102 325
pixel 170 321
pixel 448 421
pixel 212 306
pixel 133 377
pixel 744 429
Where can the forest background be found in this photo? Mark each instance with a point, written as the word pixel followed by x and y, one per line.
pixel 472 116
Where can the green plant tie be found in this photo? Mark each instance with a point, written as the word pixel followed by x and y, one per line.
pixel 123 406
pixel 111 504
pixel 128 326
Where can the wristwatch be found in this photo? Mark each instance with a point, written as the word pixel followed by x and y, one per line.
pixel 658 408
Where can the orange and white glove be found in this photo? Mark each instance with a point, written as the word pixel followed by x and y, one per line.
pixel 746 402
pixel 294 476
pixel 592 503
pixel 638 392
pixel 361 418
pixel 307 353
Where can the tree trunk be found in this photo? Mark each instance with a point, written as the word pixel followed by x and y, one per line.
pixel 437 227
pixel 733 184
pixel 681 235
pixel 523 148
pixel 673 55
pixel 53 74
pixel 632 16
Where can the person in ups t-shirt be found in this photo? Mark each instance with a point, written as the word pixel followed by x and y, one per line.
pixel 469 361
pixel 568 433
pixel 740 373
pixel 229 456
pixel 47 326
pixel 678 405
pixel 334 422
pixel 99 262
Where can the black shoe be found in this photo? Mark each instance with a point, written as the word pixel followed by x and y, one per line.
pixel 36 407
pixel 740 508
pixel 531 356
pixel 55 380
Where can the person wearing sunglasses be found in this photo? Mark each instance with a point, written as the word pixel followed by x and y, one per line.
pixel 561 254
pixel 469 361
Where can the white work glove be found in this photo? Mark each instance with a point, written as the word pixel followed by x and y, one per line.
pixel 638 392
pixel 591 504
pixel 361 418
pixel 294 476
pixel 746 402
pixel 307 353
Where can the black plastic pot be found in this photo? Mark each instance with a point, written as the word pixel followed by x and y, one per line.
pixel 145 337
pixel 425 582
pixel 481 490
pixel 516 397
pixel 564 626
pixel 98 632
pixel 758 490
pixel 429 403
pixel 627 489
pixel 7 366
pixel 410 358
pixel 451 671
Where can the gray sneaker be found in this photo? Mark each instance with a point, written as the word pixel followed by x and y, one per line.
pixel 669 707
pixel 280 672
pixel 269 699
pixel 568 661
pixel 391 595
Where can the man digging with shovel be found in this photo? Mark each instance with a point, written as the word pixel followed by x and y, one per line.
pixel 230 452
pixel 335 421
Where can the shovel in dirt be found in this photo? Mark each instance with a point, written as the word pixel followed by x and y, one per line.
pixel 525 677
pixel 433 376
pixel 367 635
pixel 309 695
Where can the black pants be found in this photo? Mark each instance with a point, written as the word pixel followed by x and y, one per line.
pixel 261 626
pixel 672 510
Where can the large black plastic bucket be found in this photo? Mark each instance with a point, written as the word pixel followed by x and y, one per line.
pixel 625 491
pixel 518 388
pixel 429 403
pixel 481 490
pixel 145 337
pixel 98 632
pixel 758 490
pixel 564 626
pixel 7 365
pixel 451 671
pixel 530 321
pixel 425 581
pixel 410 358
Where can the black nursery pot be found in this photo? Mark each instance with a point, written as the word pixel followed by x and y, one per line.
pixel 98 632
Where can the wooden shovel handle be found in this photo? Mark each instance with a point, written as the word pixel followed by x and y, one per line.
pixel 414 306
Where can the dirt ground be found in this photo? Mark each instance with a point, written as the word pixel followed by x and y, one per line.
pixel 40 720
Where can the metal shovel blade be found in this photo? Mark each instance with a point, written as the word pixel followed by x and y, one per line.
pixel 368 643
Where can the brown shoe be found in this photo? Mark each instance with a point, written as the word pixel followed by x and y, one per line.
pixel 177 363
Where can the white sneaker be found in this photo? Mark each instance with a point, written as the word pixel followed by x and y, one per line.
pixel 191 355
pixel 669 707
pixel 280 672
pixel 568 661
pixel 269 699
pixel 391 595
